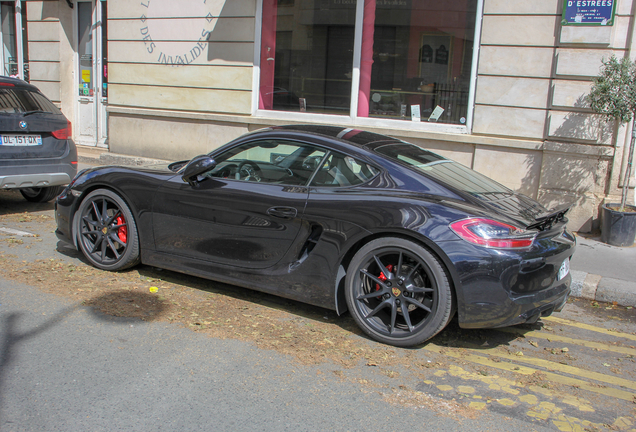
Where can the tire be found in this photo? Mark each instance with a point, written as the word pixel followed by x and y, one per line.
pixel 106 231
pixel 406 307
pixel 40 195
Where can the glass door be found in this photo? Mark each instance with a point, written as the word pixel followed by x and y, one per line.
pixel 91 73
pixel 13 52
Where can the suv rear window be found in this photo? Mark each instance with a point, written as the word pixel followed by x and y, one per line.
pixel 445 170
pixel 21 100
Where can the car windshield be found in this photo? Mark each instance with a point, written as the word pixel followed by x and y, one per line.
pixel 21 100
pixel 447 171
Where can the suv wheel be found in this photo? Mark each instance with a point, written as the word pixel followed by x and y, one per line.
pixel 40 195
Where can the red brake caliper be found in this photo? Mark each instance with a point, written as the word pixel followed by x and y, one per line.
pixel 122 232
pixel 382 277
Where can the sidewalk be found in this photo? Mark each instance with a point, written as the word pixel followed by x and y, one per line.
pixel 101 156
pixel 599 272
pixel 602 272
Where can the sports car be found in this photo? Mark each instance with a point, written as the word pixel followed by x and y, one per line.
pixel 348 220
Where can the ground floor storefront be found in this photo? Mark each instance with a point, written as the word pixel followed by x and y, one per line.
pixel 497 85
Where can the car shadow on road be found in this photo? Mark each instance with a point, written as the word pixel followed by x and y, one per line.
pixel 12 202
pixel 127 304
pixel 480 339
pixel 70 252
pixel 453 335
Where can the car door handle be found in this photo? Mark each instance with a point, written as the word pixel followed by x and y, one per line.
pixel 282 212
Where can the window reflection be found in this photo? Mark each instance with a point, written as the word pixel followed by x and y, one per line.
pixel 307 55
pixel 422 56
pixel 416 57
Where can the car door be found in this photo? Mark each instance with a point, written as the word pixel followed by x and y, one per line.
pixel 245 212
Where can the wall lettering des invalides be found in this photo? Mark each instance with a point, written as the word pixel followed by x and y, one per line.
pixel 172 59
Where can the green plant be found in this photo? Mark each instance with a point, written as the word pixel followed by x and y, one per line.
pixel 613 94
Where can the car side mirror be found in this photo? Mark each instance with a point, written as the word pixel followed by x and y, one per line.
pixel 197 166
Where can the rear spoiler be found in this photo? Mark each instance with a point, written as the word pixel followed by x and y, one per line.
pixel 546 220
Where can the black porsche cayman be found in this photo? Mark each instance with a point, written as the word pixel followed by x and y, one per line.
pixel 339 218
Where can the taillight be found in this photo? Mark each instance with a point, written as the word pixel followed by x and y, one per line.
pixel 493 234
pixel 65 133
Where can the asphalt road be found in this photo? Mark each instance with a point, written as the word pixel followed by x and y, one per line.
pixel 67 367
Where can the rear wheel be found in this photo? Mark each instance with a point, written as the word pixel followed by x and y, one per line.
pixel 107 233
pixel 398 292
pixel 41 195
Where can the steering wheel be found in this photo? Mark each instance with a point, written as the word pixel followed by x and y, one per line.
pixel 248 171
pixel 227 171
pixel 311 162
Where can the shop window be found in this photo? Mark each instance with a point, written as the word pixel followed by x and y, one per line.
pixel 9 50
pixel 85 48
pixel 9 59
pixel 307 55
pixel 416 58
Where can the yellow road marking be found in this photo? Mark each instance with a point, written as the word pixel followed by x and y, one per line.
pixel 523 370
pixel 565 339
pixel 477 405
pixel 465 389
pixel 623 423
pixel 529 399
pixel 538 409
pixel 568 424
pixel 590 327
pixel 506 402
pixel 558 367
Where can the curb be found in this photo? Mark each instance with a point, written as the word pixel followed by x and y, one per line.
pixel 595 287
pixel 99 156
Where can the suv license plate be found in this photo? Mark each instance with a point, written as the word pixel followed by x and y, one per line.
pixel 21 140
pixel 564 270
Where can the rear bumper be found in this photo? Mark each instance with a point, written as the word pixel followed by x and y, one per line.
pixel 531 309
pixel 24 172
pixel 34 180
pixel 499 288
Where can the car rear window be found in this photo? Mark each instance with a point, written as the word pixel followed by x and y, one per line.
pixel 21 100
pixel 439 168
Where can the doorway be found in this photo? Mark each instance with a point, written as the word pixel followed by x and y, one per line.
pixel 91 122
pixel 13 46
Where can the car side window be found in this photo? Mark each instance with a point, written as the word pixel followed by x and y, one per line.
pixel 269 161
pixel 339 170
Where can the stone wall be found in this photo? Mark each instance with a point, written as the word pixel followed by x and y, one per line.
pixel 51 51
pixel 534 74
pixel 160 57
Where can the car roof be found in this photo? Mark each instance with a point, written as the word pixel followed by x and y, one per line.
pixel 356 137
pixel 16 82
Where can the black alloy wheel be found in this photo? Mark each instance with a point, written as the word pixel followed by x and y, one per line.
pixel 398 292
pixel 106 231
pixel 41 194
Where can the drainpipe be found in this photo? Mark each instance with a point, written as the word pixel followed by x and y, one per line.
pixel 631 53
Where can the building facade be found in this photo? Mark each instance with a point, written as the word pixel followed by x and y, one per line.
pixel 498 85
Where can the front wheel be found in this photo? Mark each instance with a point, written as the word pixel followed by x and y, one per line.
pixel 398 292
pixel 106 232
